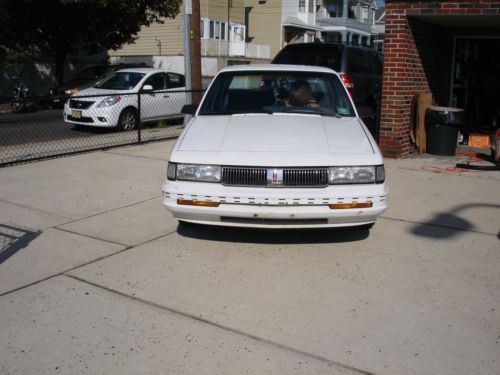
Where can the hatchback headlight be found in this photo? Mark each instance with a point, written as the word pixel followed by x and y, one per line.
pixel 109 101
pixel 198 172
pixel 352 175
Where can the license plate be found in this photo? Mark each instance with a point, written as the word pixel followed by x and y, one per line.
pixel 76 114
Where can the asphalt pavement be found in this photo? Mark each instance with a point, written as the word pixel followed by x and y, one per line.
pixel 96 277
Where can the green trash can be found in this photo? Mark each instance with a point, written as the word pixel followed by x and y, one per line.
pixel 442 127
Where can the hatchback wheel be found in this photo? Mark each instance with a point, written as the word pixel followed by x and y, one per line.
pixel 128 120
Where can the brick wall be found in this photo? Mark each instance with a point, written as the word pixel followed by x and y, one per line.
pixel 417 58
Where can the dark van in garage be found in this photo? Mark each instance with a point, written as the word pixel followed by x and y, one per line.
pixel 359 67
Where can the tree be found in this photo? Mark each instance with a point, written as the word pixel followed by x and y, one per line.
pixel 58 27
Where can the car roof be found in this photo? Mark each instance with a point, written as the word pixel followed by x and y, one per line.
pixel 277 67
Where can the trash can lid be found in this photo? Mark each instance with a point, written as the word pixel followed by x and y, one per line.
pixel 445 109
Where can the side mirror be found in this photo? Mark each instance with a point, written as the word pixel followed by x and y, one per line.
pixel 189 109
pixel 147 88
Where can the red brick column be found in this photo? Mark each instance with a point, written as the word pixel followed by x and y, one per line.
pixel 403 78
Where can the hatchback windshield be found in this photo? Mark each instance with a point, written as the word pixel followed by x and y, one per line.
pixel 273 92
pixel 120 81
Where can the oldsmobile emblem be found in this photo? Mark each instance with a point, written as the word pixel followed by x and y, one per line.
pixel 275 176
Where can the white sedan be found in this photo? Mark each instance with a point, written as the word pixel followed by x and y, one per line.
pixel 275 146
pixel 114 101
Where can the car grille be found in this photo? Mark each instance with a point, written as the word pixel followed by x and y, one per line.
pixel 275 177
pixel 86 120
pixel 80 104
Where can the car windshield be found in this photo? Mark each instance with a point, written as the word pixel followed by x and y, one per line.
pixel 275 91
pixel 120 81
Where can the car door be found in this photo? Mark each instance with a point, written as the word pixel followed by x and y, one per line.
pixel 153 101
pixel 175 97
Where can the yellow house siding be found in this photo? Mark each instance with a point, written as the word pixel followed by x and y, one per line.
pixel 217 10
pixel 265 23
pixel 168 33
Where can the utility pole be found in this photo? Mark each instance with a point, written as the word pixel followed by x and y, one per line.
pixel 187 47
pixel 228 22
pixel 196 51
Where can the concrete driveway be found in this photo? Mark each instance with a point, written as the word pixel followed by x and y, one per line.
pixel 96 278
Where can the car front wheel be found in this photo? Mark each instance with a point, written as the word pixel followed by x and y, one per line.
pixel 128 120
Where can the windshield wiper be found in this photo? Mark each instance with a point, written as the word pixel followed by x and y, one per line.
pixel 218 113
pixel 332 114
pixel 312 112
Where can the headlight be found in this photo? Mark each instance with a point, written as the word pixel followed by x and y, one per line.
pixel 197 172
pixel 380 174
pixel 109 101
pixel 171 171
pixel 352 175
pixel 71 91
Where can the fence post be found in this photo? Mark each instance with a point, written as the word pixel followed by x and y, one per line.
pixel 139 125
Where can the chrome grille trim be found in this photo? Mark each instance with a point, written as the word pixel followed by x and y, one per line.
pixel 258 176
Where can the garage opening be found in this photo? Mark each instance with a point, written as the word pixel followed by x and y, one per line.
pixel 476 82
pixel 460 56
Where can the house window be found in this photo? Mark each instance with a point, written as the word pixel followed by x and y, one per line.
pixel 332 10
pixel 217 30
pixel 311 6
pixel 302 5
pixel 202 29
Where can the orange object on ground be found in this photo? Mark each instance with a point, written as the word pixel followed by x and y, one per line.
pixel 479 140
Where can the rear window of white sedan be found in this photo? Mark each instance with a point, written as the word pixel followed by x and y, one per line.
pixel 274 92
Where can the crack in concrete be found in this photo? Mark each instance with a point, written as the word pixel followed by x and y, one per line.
pixel 136 156
pixel 220 326
pixel 126 248
pixel 34 209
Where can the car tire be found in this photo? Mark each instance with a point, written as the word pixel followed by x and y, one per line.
pixel 128 119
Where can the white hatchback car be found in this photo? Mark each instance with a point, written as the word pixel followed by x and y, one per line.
pixel 113 102
pixel 276 146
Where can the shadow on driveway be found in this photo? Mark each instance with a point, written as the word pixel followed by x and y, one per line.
pixel 450 224
pixel 272 236
pixel 13 239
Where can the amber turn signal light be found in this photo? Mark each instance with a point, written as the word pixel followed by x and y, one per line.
pixel 193 202
pixel 350 205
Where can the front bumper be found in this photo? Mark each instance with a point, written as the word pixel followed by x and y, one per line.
pixel 275 207
pixel 93 116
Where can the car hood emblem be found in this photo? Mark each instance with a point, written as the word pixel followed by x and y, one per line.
pixel 275 176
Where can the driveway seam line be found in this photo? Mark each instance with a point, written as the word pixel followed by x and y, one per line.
pixel 128 247
pixel 27 285
pixel 105 212
pixel 134 156
pixel 63 273
pixel 89 236
pixel 436 225
pixel 220 326
pixel 34 209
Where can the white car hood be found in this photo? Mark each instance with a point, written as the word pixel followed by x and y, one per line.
pixel 95 91
pixel 275 139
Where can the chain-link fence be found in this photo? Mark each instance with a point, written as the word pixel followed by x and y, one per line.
pixel 52 126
